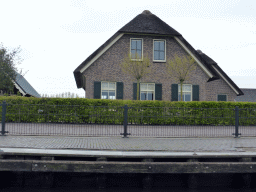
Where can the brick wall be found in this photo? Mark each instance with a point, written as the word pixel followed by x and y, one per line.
pixel 107 68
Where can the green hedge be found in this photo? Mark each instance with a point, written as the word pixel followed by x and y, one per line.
pixel 79 110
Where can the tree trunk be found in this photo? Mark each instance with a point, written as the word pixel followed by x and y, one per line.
pixel 181 84
pixel 138 89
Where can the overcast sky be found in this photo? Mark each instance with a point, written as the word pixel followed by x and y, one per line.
pixel 58 35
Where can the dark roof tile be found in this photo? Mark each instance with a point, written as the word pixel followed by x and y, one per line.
pixel 25 86
pixel 249 95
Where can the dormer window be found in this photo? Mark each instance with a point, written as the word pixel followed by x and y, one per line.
pixel 159 50
pixel 136 49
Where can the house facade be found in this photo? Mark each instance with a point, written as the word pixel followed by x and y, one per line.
pixel 101 76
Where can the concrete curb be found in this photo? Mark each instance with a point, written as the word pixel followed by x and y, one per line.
pixel 131 154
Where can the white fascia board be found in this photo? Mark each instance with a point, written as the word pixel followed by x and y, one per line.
pixel 190 53
pixel 100 53
pixel 19 88
pixel 225 80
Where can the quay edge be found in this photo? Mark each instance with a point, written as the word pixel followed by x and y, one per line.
pixel 44 160
pixel 48 163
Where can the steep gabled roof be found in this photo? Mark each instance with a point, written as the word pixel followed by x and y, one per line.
pixel 148 23
pixel 24 87
pixel 191 51
pixel 249 95
pixel 78 73
pixel 144 23
pixel 219 72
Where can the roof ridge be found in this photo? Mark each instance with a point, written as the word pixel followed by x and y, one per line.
pixel 146 12
pixel 148 23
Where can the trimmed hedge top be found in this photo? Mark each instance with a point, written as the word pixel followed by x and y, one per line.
pixel 121 103
pixel 79 110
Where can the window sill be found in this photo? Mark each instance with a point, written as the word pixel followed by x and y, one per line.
pixel 159 61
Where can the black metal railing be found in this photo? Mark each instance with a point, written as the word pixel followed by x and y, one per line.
pixel 30 119
pixel 3 118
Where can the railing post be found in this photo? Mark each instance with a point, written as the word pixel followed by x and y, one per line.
pixel 125 122
pixel 236 122
pixel 3 117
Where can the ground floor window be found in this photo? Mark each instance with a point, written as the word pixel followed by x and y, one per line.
pixel 186 92
pixel 222 97
pixel 108 90
pixel 147 91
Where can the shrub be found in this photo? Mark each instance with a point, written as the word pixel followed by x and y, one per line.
pixel 80 110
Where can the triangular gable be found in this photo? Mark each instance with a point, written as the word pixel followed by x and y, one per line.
pixel 148 23
pixel 143 23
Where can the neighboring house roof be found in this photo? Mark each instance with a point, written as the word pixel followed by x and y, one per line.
pixel 249 95
pixel 24 87
pixel 148 23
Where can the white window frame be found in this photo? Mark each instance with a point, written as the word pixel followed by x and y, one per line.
pixel 154 50
pixel 185 91
pixel 141 49
pixel 154 91
pixel 222 94
pixel 108 89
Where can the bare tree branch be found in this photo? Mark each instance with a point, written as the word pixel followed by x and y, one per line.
pixel 137 68
pixel 180 69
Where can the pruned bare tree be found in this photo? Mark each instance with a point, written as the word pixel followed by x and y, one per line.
pixel 137 67
pixel 180 69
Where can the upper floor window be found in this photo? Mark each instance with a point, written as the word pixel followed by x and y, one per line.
pixel 136 48
pixel 147 91
pixel 108 90
pixel 159 50
pixel 186 92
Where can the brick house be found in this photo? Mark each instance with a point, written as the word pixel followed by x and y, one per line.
pixel 100 75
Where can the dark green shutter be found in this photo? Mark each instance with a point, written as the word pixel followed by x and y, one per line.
pixel 119 90
pixel 83 82
pixel 97 89
pixel 175 92
pixel 222 97
pixel 135 91
pixel 158 89
pixel 195 93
